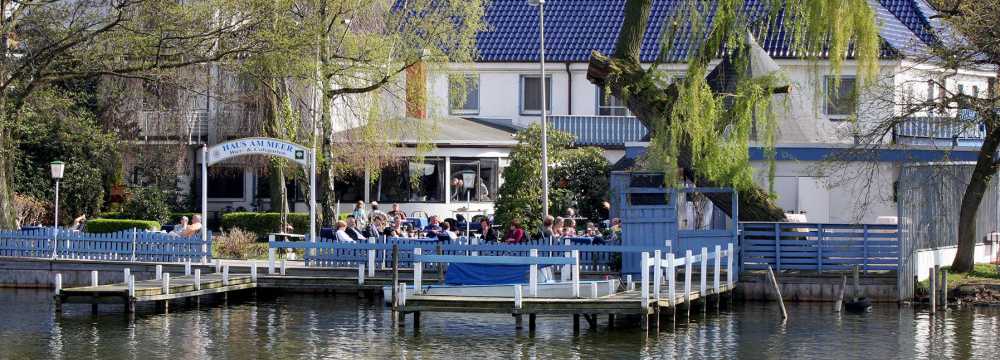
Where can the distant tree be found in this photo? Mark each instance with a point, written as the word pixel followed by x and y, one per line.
pixel 583 173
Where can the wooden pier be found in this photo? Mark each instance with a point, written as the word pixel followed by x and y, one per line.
pixel 160 290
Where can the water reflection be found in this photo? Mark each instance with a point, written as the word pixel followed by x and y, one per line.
pixel 327 327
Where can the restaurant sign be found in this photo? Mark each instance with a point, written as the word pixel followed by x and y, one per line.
pixel 259 146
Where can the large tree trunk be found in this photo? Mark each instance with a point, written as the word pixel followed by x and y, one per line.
pixel 623 74
pixel 327 197
pixel 986 167
pixel 7 215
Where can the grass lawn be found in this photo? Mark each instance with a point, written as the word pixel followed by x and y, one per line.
pixel 980 274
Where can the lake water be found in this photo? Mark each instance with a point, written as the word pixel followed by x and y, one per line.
pixel 326 327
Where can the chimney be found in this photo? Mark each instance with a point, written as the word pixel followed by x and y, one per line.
pixel 416 91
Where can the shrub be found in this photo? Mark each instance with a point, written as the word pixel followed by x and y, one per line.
pixel 264 223
pixel 238 244
pixel 147 203
pixel 114 225
pixel 29 210
pixel 110 215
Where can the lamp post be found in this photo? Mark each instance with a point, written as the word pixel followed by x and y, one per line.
pixel 545 125
pixel 56 167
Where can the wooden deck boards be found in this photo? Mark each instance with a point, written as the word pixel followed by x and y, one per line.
pixel 152 290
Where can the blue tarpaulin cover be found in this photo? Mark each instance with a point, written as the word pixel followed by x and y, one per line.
pixel 486 274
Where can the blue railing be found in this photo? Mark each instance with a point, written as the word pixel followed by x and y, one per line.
pixel 593 257
pixel 129 245
pixel 600 130
pixel 819 247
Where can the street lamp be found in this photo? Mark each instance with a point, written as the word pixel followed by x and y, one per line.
pixel 56 167
pixel 545 125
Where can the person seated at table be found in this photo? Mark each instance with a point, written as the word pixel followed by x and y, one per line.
pixel 557 226
pixel 375 227
pixel 569 228
pixel 352 229
pixel 446 232
pixel 515 233
pixel 396 213
pixel 548 232
pixel 434 226
pixel 376 213
pixel 396 229
pixel 79 223
pixel 486 230
pixel 180 227
pixel 342 232
pixel 594 233
pixel 194 228
pixel 570 213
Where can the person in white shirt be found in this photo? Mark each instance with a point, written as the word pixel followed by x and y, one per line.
pixel 446 230
pixel 342 232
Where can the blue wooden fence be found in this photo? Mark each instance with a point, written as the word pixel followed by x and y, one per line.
pixel 328 253
pixel 119 246
pixel 819 247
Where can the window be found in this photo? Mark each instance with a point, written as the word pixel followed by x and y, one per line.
pixel 473 179
pixel 610 105
pixel 531 97
pixel 840 101
pixel 463 94
pixel 295 189
pixel 225 183
pixel 411 181
pixel 349 187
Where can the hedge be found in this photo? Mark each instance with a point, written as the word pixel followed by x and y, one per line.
pixel 113 225
pixel 175 217
pixel 264 223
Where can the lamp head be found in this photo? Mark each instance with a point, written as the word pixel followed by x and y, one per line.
pixel 57 168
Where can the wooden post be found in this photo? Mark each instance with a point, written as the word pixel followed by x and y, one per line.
pixel 533 274
pixel 225 275
pixel 944 289
pixel 644 281
pixel 130 305
pixel 58 291
pixel 531 322
pixel 730 271
pixel 418 269
pixel 395 276
pixel 187 268
pixel 93 278
pixel 777 290
pixel 361 275
pixel 159 272
pixel 718 268
pixel 593 289
pixel 933 288
pixel 576 323
pixel 576 273
pixel 371 258
pixel 166 284
pixel 629 286
pixel 197 279
pixel 127 274
pixel 253 271
pixel 517 296
pixel 657 276
pixel 218 266
pixel 703 285
pixel 671 281
pixel 688 259
pixel 283 267
pixel 838 306
pixel 271 255
pixel 857 283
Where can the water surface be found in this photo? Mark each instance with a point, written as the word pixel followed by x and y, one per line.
pixel 312 326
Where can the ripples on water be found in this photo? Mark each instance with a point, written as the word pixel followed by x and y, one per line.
pixel 328 327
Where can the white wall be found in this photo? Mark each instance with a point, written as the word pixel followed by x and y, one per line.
pixel 944 256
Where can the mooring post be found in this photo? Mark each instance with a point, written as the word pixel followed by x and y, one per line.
pixel 672 281
pixel 253 271
pixel 361 275
pixel 629 286
pixel 657 276
pixel 130 306
pixel 838 306
pixel 933 288
pixel 533 274
pixel 225 275
pixel 271 255
pixel 576 273
pixel 93 278
pixel 283 267
pixel 58 291
pixel 576 324
pixel 644 281
pixel 418 269
pixel 715 274
pixel 402 304
pixel 218 266
pixel 777 290
pixel 197 279
pixel 371 257
pixel 531 322
pixel 517 296
pixel 127 274
pixel 159 272
pixel 395 276
pixel 703 285
pixel 944 289
pixel 187 268
pixel 688 259
pixel 165 288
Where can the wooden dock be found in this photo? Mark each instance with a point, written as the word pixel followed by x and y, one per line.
pixel 160 290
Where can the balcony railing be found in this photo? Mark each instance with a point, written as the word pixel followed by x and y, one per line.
pixel 607 131
pixel 190 126
pixel 940 131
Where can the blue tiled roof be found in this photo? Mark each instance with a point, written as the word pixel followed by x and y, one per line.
pixel 575 27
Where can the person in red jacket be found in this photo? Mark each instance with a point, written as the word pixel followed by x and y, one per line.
pixel 515 233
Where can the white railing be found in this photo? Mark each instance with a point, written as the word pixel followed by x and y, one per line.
pixel 659 264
